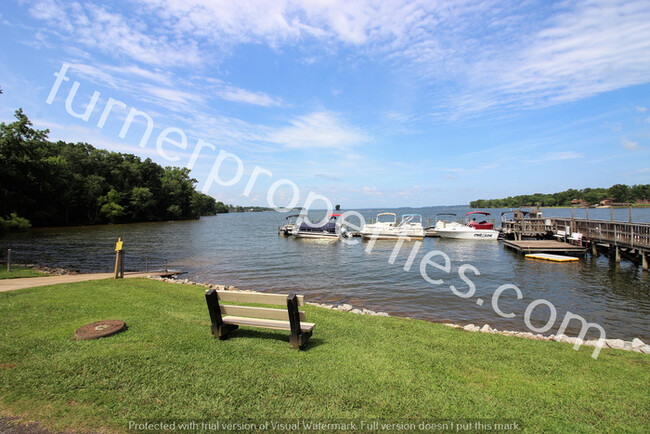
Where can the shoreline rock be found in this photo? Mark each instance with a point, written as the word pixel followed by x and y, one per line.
pixel 636 345
pixel 50 270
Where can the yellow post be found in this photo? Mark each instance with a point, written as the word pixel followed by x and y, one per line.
pixel 119 268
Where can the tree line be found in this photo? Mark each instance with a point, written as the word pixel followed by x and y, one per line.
pixel 46 183
pixel 620 193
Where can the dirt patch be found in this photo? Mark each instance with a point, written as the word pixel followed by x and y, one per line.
pixel 12 425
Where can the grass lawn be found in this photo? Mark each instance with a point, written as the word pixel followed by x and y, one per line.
pixel 17 272
pixel 168 368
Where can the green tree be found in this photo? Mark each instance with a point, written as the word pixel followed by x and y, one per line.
pixel 111 208
pixel 620 192
pixel 142 203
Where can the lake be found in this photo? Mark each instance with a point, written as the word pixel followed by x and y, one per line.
pixel 244 250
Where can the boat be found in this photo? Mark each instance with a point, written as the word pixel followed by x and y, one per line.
pixel 441 222
pixel 471 230
pixel 323 231
pixel 290 225
pixel 386 227
pixel 411 226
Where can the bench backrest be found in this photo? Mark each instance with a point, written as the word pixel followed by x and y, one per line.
pixel 257 298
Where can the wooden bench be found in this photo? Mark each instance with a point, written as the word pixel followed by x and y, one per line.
pixel 226 318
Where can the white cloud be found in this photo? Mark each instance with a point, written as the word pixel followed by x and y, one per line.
pixel 242 95
pixel 588 48
pixel 116 34
pixel 371 191
pixel 487 53
pixel 122 79
pixel 318 130
pixel 629 144
pixel 641 109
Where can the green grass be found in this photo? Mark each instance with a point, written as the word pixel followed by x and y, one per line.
pixel 17 272
pixel 167 367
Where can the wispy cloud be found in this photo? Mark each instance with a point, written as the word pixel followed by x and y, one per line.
pixel 235 94
pixel 564 155
pixel 327 176
pixel 629 144
pixel 494 53
pixel 321 129
pixel 587 48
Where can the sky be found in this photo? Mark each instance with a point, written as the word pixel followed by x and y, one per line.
pixel 369 103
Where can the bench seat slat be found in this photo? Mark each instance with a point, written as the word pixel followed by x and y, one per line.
pixel 257 297
pixel 258 312
pixel 266 323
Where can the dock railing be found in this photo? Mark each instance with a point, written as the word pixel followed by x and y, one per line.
pixel 635 235
pixel 527 226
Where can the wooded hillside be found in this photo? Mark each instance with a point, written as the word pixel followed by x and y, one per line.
pixel 54 184
pixel 592 196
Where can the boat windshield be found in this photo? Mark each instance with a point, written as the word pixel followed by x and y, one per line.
pixel 411 218
pixel 386 217
pixel 446 217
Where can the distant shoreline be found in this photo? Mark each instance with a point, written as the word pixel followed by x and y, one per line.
pixel 634 205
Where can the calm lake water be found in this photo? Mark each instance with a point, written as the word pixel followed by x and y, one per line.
pixel 244 250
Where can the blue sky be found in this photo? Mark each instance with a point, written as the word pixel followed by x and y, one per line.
pixel 370 103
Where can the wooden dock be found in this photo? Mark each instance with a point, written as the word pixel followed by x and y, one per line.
pixel 615 239
pixel 544 246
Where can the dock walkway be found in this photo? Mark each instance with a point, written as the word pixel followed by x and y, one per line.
pixel 30 282
pixel 544 246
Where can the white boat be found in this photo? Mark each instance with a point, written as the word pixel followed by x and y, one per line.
pixel 289 227
pixel 471 230
pixel 386 227
pixel 448 221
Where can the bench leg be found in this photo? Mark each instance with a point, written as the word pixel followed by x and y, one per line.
pixel 222 332
pixel 218 328
pixel 297 339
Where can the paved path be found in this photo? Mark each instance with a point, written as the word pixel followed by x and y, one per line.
pixel 30 282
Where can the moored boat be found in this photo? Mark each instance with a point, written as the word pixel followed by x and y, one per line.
pixel 288 228
pixel 471 230
pixel 386 227
pixel 331 230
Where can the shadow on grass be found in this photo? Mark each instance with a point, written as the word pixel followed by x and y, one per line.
pixel 278 336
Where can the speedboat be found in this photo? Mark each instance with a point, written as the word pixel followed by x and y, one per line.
pixel 446 221
pixel 386 227
pixel 322 231
pixel 471 230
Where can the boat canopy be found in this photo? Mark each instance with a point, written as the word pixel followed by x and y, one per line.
pixel 292 216
pixel 478 212
pixel 391 214
pixel 407 218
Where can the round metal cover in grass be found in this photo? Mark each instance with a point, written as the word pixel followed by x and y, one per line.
pixel 99 329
